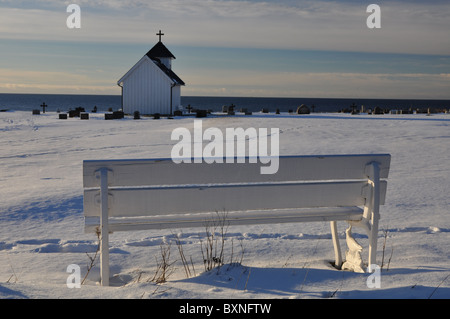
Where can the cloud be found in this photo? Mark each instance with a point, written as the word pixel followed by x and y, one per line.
pixel 313 25
pixel 26 81
pixel 321 84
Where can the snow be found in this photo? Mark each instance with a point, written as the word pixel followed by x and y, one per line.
pixel 41 212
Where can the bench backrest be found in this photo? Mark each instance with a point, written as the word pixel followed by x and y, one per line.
pixel 151 187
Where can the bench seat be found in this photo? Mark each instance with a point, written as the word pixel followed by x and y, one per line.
pixel 232 218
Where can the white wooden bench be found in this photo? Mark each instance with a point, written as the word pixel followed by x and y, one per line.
pixel 127 195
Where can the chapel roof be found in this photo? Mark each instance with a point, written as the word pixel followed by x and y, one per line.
pixel 175 78
pixel 160 51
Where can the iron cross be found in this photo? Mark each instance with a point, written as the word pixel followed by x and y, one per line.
pixel 160 34
pixel 44 106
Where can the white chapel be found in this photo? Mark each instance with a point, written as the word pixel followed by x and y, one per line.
pixel 151 86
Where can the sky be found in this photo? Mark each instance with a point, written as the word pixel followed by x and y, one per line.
pixel 283 48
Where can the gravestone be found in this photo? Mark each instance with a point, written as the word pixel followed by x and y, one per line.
pixel 76 112
pixel 84 116
pixel 36 112
pixel 63 116
pixel 73 113
pixel 201 113
pixel 303 109
pixel 117 115
pixel 378 110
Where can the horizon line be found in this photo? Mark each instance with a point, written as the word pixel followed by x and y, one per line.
pixel 251 97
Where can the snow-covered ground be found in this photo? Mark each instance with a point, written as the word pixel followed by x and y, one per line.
pixel 41 212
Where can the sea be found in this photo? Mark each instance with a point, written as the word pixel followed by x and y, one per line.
pixel 104 103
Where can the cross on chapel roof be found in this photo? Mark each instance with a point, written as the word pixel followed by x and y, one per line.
pixel 160 34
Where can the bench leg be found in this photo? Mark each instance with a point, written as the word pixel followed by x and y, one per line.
pixel 104 229
pixel 337 246
pixel 104 258
pixel 373 239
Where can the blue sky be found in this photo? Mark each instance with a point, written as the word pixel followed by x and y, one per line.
pixel 288 48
